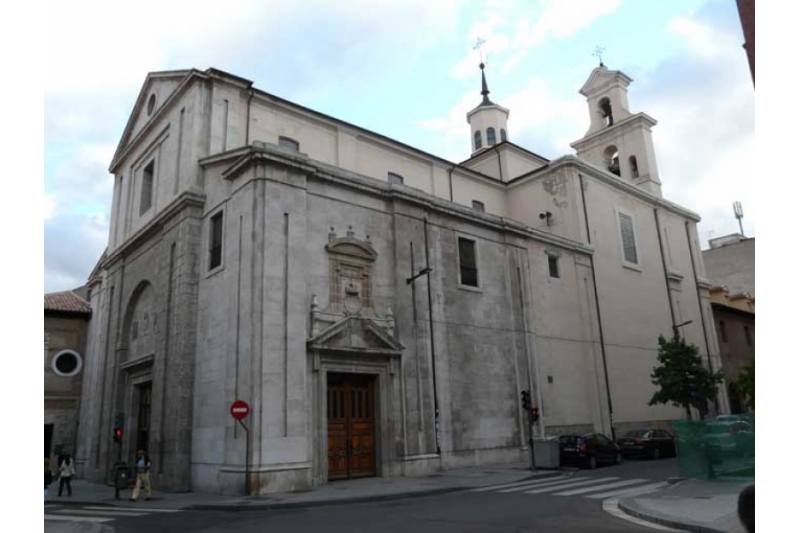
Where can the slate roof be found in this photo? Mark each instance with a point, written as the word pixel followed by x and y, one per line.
pixel 66 302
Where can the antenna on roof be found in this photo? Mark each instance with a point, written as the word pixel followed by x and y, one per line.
pixel 737 211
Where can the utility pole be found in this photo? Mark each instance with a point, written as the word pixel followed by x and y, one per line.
pixel 739 214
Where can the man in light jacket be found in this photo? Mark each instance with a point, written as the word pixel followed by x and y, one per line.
pixel 66 469
pixel 142 476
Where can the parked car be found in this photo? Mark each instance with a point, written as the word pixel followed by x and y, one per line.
pixel 728 418
pixel 588 451
pixel 652 443
pixel 730 438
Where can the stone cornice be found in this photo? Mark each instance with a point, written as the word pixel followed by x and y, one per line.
pixel 619 128
pixel 184 200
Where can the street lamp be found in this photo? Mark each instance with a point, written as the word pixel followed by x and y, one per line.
pixel 675 328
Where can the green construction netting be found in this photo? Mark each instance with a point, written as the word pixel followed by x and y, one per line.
pixel 720 448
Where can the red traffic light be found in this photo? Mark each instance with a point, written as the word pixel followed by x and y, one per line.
pixel 118 432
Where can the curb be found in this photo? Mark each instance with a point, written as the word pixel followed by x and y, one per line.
pixel 256 506
pixel 695 528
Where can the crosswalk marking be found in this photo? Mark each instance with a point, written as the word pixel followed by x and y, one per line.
pixel 540 483
pixel 107 512
pixel 595 488
pixel 518 483
pixel 135 509
pixel 630 491
pixel 585 481
pixel 69 518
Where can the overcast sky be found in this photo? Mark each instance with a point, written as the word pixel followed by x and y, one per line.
pixel 405 69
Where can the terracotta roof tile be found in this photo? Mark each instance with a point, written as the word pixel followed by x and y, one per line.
pixel 66 302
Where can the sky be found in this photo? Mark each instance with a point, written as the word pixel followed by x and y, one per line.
pixel 405 69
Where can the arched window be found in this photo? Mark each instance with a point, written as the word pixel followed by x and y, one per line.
pixel 395 179
pixel 288 142
pixel 478 206
pixel 634 166
pixel 478 140
pixel 490 137
pixel 503 137
pixel 611 156
pixel 605 111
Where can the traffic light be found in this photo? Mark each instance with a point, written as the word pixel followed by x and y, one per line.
pixel 535 414
pixel 526 399
pixel 118 427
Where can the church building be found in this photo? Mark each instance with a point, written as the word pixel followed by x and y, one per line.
pixel 379 308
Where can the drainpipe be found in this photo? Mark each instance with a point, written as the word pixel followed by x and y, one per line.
pixel 433 343
pixel 247 128
pixel 599 316
pixel 664 266
pixel 499 164
pixel 700 306
pixel 450 180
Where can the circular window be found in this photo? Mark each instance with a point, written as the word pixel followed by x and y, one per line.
pixel 151 104
pixel 67 363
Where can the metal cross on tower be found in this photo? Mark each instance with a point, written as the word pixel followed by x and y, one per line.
pixel 598 53
pixel 478 45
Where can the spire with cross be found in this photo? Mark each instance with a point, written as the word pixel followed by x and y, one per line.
pixel 598 53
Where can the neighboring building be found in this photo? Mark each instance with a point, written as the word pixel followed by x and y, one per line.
pixel 735 322
pixel 731 261
pixel 263 251
pixel 747 15
pixel 66 319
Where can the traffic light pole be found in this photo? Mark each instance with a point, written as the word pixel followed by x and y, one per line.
pixel 530 440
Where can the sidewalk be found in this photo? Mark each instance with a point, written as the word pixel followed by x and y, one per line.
pixel 691 505
pixel 351 491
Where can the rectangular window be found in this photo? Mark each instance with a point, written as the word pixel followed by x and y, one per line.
pixel 478 206
pixel 395 179
pixel 288 142
pixel 467 262
pixel 552 262
pixel 748 336
pixel 146 199
pixel 215 242
pixel 722 331
pixel 628 239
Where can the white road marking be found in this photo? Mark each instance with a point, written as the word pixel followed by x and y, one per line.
pixel 541 483
pixel 135 509
pixel 630 491
pixel 68 518
pixel 601 487
pixel 517 484
pixel 108 512
pixel 585 481
pixel 611 507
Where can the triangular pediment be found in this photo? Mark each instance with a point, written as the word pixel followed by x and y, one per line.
pixel 356 334
pixel 602 77
pixel 158 85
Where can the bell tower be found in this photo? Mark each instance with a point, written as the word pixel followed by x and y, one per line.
pixel 618 141
pixel 488 121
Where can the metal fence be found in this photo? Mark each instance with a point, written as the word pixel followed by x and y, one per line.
pixel 718 448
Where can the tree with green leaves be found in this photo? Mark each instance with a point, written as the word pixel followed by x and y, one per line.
pixel 746 384
pixel 681 378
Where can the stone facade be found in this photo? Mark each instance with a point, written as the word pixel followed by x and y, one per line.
pixel 731 261
pixel 258 248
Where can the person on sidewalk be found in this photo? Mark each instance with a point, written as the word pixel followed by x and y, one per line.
pixel 142 476
pixel 48 477
pixel 747 508
pixel 66 469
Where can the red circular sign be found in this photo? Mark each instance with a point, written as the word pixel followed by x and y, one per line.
pixel 239 409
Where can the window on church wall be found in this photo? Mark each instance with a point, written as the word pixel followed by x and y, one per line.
pixel 490 137
pixel 634 166
pixel 748 336
pixel 146 198
pixel 606 112
pixel 611 156
pixel 503 137
pixel 395 179
pixel 552 265
pixel 467 262
pixel 478 206
pixel 723 331
pixel 215 242
pixel 477 140
pixel 628 238
pixel 288 142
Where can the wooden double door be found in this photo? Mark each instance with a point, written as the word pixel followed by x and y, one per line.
pixel 351 426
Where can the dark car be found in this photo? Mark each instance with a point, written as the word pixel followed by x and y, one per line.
pixel 651 443
pixel 588 451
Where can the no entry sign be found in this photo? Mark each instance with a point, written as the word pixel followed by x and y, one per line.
pixel 239 409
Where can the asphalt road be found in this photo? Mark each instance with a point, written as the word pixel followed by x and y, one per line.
pixel 488 510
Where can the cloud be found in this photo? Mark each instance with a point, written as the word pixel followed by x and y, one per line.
pixel 49 206
pixel 72 245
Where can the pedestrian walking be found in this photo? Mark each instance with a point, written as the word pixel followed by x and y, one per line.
pixel 48 477
pixel 66 469
pixel 142 476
